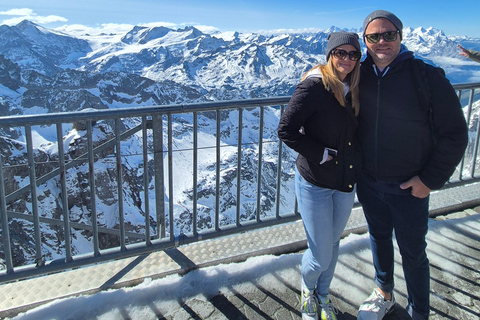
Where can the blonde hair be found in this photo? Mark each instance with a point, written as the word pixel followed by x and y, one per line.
pixel 332 83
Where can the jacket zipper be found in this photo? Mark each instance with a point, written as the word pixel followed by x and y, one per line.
pixel 376 129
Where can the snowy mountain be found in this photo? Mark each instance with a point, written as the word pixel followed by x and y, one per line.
pixel 41 49
pixel 45 71
pixel 219 66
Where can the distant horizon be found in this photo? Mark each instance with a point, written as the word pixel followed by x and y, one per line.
pixel 119 29
pixel 245 16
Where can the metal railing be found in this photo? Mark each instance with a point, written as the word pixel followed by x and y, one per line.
pixel 52 201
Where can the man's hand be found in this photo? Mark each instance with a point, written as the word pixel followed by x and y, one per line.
pixel 419 190
pixel 464 51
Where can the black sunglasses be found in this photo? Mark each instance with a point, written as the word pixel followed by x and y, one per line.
pixel 388 36
pixel 342 54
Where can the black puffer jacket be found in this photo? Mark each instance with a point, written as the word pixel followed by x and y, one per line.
pixel 326 124
pixel 395 130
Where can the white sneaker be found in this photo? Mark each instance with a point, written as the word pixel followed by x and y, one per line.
pixel 375 307
pixel 309 305
pixel 328 310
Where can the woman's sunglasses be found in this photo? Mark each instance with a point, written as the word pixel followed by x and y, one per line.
pixel 342 54
pixel 388 36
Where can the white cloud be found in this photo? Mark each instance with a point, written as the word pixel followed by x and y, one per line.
pixel 452 61
pixel 49 19
pixel 28 14
pixel 17 12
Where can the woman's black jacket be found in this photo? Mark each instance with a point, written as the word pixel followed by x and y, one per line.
pixel 326 124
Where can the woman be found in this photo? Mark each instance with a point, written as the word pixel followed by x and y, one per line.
pixel 320 123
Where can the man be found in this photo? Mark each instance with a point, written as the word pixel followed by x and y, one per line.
pixel 409 149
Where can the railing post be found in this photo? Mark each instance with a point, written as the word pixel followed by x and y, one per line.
pixel 170 178
pixel 475 150
pixel 239 166
pixel 195 173
pixel 467 119
pixel 39 259
pixel 474 156
pixel 279 171
pixel 146 181
pixel 118 153
pixel 64 195
pixel 217 173
pixel 93 197
pixel 157 127
pixel 7 247
pixel 260 160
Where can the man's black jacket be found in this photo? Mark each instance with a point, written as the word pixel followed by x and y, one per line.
pixel 400 137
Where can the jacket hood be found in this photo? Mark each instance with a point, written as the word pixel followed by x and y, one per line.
pixel 313 73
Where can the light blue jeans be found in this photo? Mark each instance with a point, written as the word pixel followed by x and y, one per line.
pixel 325 213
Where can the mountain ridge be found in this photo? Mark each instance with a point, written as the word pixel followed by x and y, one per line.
pixel 252 65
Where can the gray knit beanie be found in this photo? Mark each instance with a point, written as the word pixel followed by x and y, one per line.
pixel 336 39
pixel 386 15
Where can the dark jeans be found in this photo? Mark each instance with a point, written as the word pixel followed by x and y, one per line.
pixel 408 217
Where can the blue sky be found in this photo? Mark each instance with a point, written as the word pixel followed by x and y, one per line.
pixel 454 18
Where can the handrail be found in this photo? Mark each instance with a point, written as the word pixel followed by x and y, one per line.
pixel 94 115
